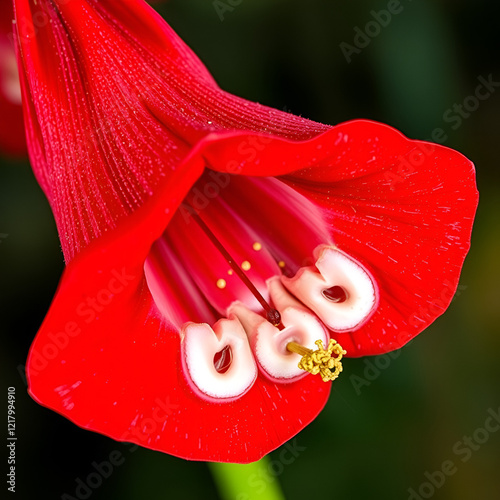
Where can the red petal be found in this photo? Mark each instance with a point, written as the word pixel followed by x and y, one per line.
pixel 104 359
pixel 115 102
pixel 125 355
pixel 405 210
pixel 123 126
pixel 12 136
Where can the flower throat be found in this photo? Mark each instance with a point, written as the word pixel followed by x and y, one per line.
pixel 273 315
pixel 233 271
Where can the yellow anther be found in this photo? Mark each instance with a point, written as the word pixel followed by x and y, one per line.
pixel 221 284
pixel 281 264
pixel 325 362
pixel 257 246
pixel 246 265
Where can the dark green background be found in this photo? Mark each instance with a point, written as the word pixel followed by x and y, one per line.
pixel 376 442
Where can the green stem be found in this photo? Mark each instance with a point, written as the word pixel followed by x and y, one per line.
pixel 254 481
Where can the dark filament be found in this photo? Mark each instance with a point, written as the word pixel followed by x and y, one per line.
pixel 273 316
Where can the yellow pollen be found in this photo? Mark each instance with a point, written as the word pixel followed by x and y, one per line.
pixel 320 361
pixel 281 263
pixel 257 246
pixel 246 265
pixel 221 284
pixel 230 272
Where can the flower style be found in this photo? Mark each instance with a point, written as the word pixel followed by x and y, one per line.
pixel 210 239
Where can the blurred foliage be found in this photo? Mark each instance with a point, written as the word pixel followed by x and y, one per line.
pixel 373 441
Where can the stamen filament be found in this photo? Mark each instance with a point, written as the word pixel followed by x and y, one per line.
pixel 273 316
pixel 298 349
pixel 320 361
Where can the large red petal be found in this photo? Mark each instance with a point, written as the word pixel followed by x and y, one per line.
pixel 405 210
pixel 118 371
pixel 104 359
pixel 115 102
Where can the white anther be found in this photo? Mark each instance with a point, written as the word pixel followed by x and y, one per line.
pixel 269 342
pixel 200 344
pixel 335 268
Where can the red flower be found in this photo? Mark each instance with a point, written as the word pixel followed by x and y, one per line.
pixel 12 138
pixel 158 180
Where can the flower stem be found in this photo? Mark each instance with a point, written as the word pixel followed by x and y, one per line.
pixel 234 481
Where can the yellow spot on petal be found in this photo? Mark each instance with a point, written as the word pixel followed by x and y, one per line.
pixel 230 272
pixel 281 263
pixel 257 246
pixel 246 265
pixel 221 284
